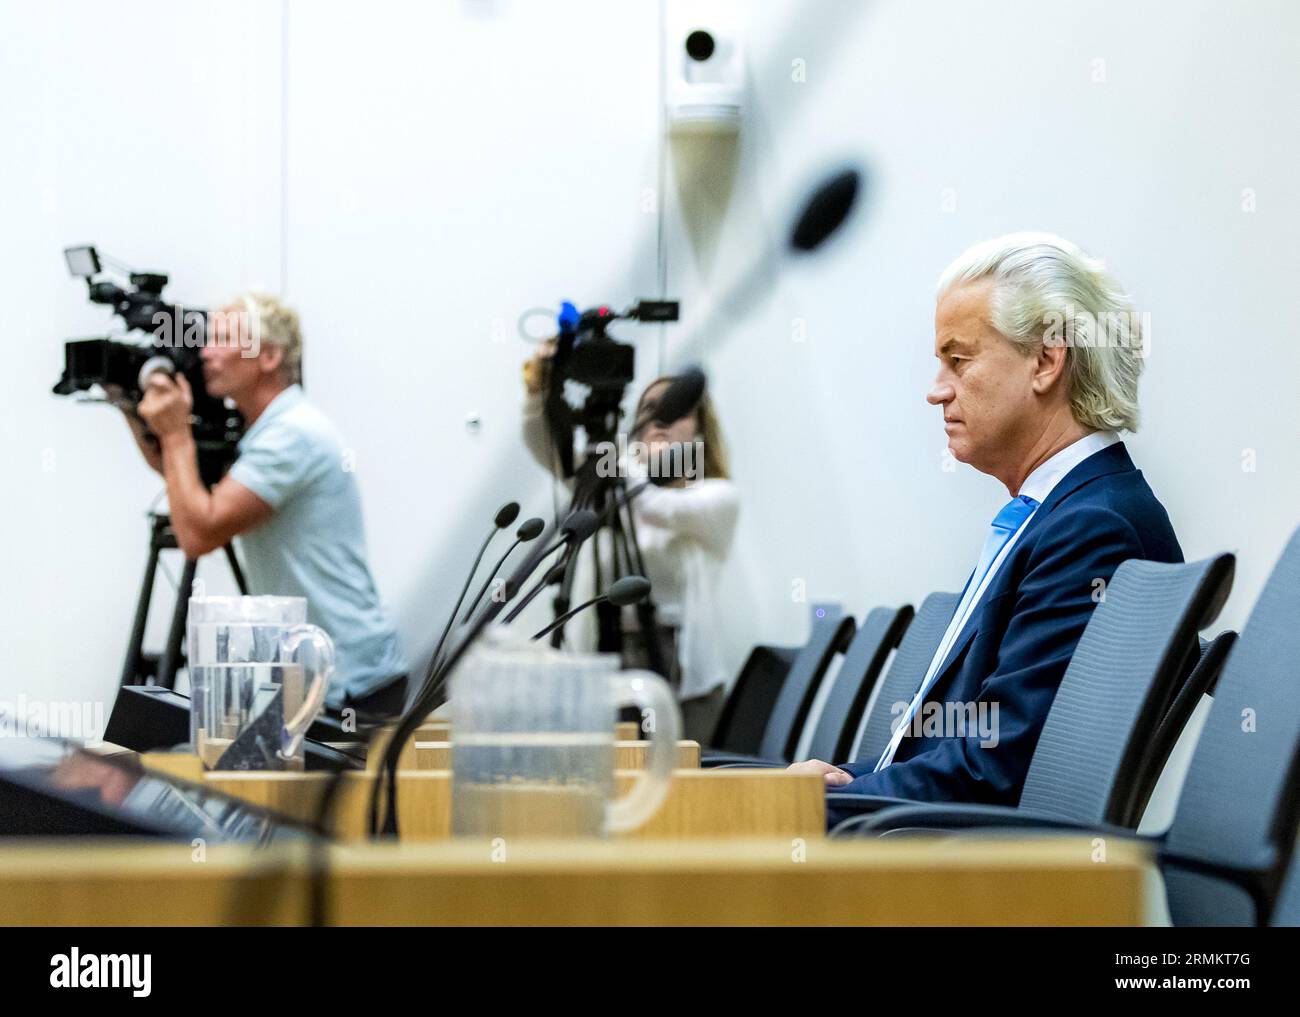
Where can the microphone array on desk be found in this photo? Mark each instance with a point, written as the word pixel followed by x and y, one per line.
pixel 576 528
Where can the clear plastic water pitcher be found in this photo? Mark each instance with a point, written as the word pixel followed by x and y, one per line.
pixel 533 743
pixel 258 678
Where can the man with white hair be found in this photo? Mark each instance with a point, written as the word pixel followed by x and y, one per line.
pixel 289 497
pixel 1039 356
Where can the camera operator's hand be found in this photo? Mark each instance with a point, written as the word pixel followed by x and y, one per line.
pixel 535 366
pixel 145 440
pixel 116 396
pixel 166 405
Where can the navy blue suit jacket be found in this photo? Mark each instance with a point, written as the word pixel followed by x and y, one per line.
pixel 1015 646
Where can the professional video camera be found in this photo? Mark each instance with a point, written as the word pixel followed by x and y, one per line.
pixel 600 367
pixel 177 336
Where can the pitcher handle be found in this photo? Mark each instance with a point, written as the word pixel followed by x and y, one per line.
pixel 651 693
pixel 291 735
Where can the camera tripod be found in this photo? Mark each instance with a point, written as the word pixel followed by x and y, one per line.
pixel 141 668
pixel 611 500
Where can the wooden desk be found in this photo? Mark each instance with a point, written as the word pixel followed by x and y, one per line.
pixel 422 755
pixel 440 731
pixel 184 765
pixel 700 803
pixel 760 882
pixel 431 755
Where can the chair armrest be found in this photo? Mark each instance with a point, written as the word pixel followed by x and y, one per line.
pixel 735 759
pixel 843 807
pixel 756 764
pixel 944 816
pixel 956 818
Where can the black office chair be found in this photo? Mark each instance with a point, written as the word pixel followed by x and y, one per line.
pixel 841 713
pixel 830 635
pixel 1199 683
pixel 751 700
pixel 1225 856
pixel 1099 754
pixel 1226 853
pixel 880 633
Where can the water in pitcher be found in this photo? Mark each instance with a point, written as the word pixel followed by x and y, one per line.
pixel 531 783
pixel 227 698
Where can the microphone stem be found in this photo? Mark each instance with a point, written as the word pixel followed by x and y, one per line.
pixel 569 614
pixel 528 599
pixel 488 582
pixel 459 600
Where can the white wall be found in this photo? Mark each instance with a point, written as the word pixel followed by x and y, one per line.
pixel 451 165
pixel 994 104
pixel 153 132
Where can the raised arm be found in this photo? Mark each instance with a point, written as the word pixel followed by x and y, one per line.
pixel 706 510
pixel 202 520
pixel 537 438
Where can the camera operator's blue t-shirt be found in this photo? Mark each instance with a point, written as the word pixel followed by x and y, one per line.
pixel 314 545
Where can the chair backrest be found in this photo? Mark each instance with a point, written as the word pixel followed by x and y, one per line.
pixel 1095 761
pixel 859 671
pixel 1239 803
pixel 830 635
pixel 740 726
pixel 907 671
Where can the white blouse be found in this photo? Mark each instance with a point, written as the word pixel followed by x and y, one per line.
pixel 684 534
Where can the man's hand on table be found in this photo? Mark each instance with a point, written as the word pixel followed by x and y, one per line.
pixel 835 777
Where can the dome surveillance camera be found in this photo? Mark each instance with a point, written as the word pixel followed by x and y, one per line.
pixel 706 81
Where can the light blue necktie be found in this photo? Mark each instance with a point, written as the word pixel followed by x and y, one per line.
pixel 1005 526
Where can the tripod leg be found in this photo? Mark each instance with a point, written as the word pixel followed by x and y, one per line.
pixel 170 660
pixel 133 667
pixel 235 570
pixel 656 658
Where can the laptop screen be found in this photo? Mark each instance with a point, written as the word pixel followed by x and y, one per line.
pixel 51 787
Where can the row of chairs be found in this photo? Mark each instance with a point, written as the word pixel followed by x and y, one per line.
pixel 1133 682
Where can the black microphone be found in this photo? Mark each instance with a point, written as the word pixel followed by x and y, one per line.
pixel 822 216
pixel 578 526
pixel 529 529
pixel 826 210
pixel 679 400
pixel 506 515
pixel 621 592
pixel 681 397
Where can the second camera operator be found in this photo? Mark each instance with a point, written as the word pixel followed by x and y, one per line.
pixel 685 530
